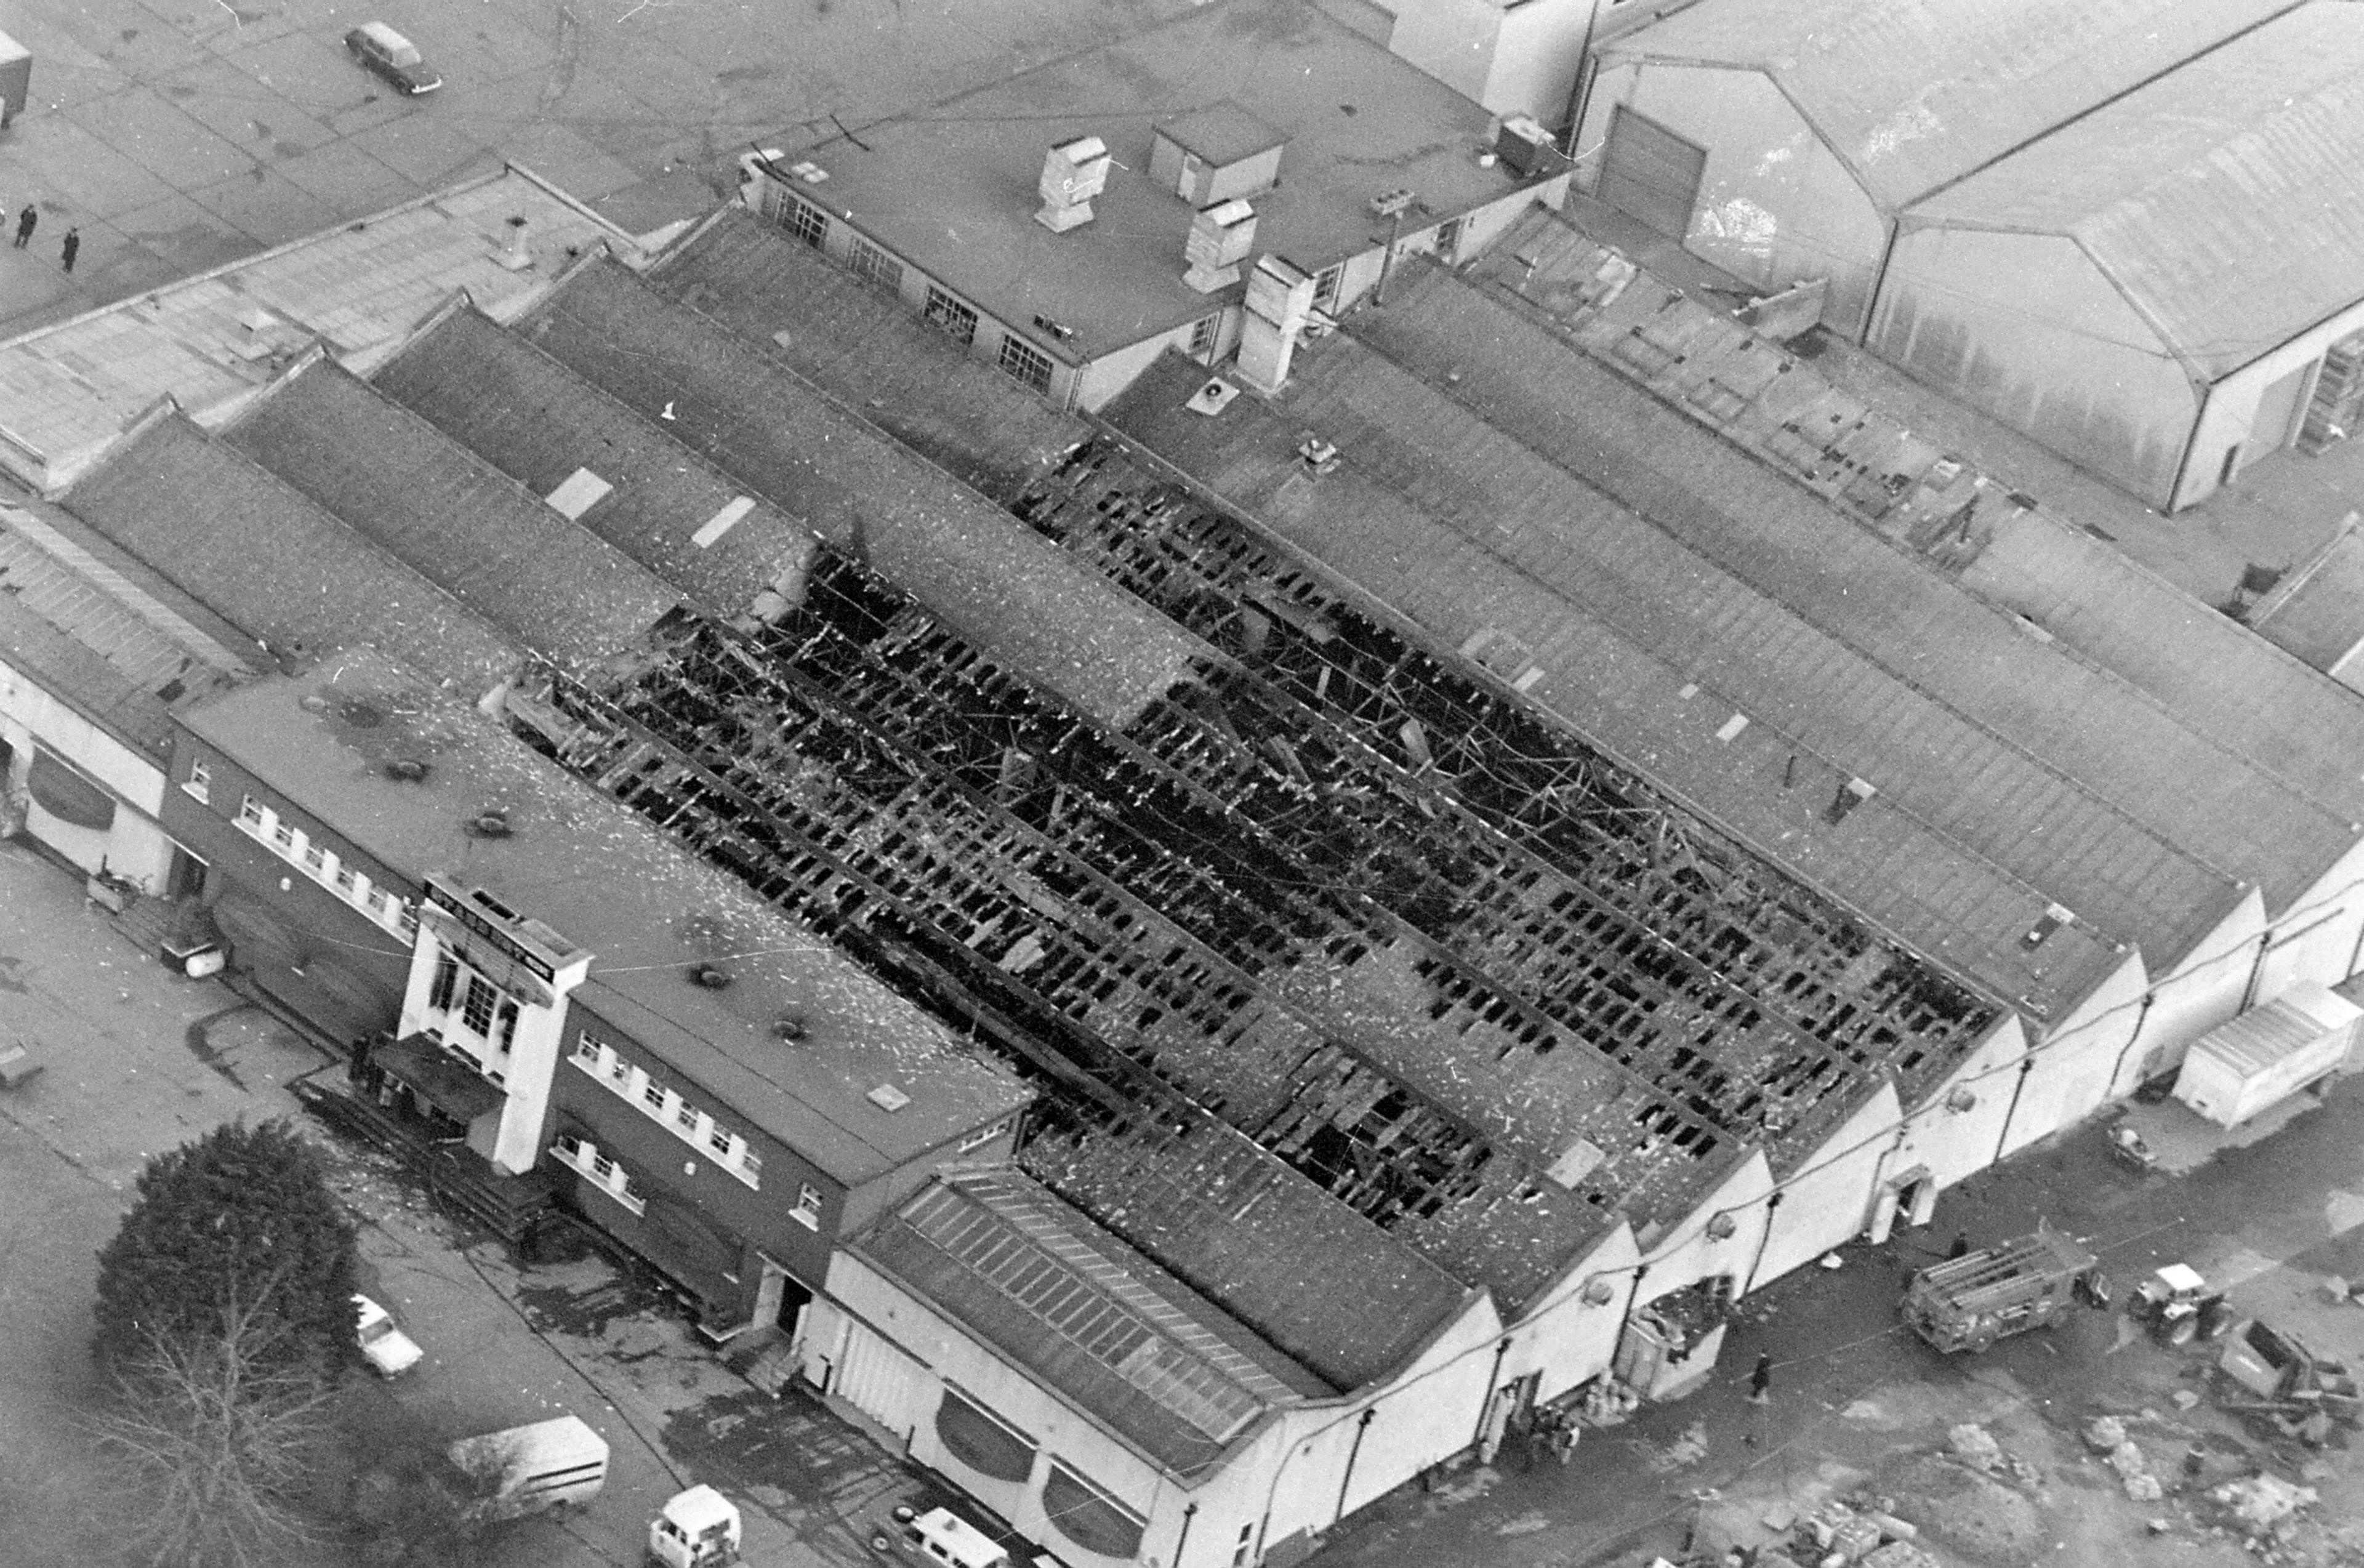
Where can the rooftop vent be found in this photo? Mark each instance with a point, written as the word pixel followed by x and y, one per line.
pixel 887 1097
pixel 1216 154
pixel 1220 237
pixel 711 976
pixel 410 770
pixel 492 823
pixel 1073 174
pixel 789 1027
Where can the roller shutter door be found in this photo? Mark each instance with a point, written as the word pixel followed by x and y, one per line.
pixel 1652 173
pixel 880 1380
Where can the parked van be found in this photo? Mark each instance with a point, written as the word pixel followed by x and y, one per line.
pixel 541 1465
pixel 944 1538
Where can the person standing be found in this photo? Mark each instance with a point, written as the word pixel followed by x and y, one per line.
pixel 1760 1382
pixel 72 245
pixel 1961 1246
pixel 24 221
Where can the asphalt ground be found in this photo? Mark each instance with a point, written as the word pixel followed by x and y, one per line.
pixel 178 135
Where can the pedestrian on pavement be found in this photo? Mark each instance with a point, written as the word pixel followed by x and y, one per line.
pixel 1760 1381
pixel 24 221
pixel 1961 1246
pixel 72 245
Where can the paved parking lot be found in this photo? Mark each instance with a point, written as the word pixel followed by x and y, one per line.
pixel 180 133
pixel 140 1060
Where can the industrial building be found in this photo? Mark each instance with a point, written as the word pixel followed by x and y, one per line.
pixel 2062 216
pixel 1072 222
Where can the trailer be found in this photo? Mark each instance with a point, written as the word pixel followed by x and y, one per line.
pixel 544 1465
pixel 2267 1054
pixel 1967 1303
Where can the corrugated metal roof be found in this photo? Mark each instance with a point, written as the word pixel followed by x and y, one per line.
pixel 546 580
pixel 69 389
pixel 2224 199
pixel 1913 93
pixel 246 545
pixel 2317 612
pixel 646 909
pixel 2282 1027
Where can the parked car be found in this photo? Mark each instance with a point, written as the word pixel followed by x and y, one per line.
pixel 386 52
pixel 385 1347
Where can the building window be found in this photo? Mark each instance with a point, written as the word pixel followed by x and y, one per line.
pixel 1026 362
pixel 958 320
pixel 446 983
pixel 1203 332
pixel 685 1117
pixel 586 1050
pixel 251 815
pixel 348 879
pixel 984 1135
pixel 807 222
pixel 602 1167
pixel 476 1008
pixel 750 1165
pixel 619 1070
pixel 1448 238
pixel 283 835
pixel 718 1141
pixel 568 1148
pixel 200 782
pixel 1325 286
pixel 652 1094
pixel 316 861
pixel 871 262
pixel 505 1022
pixel 807 1210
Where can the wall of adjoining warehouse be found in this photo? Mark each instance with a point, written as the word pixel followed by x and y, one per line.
pixel 2025 328
pixel 1691 1251
pixel 133 844
pixel 1566 1336
pixel 1953 1130
pixel 1514 57
pixel 1776 206
pixel 2230 417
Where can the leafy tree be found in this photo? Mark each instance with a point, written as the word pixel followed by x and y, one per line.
pixel 235 1234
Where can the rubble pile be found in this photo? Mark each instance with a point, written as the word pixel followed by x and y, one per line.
pixel 2261 1504
pixel 1958 1502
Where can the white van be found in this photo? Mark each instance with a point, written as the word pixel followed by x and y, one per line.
pixel 541 1465
pixel 944 1538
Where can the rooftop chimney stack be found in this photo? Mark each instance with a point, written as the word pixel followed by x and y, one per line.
pixel 1073 174
pixel 1220 237
pixel 1281 302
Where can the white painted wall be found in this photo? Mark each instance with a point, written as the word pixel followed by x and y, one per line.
pixel 1563 1336
pixel 525 1070
pixel 2318 937
pixel 136 845
pixel 1821 1203
pixel 2228 416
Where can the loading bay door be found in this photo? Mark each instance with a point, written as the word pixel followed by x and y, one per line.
pixel 1652 173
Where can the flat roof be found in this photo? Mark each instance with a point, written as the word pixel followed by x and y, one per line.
pixel 1005 590
pixel 951 188
pixel 68 390
pixel 2224 199
pixel 1653 662
pixel 251 548
pixel 1911 94
pixel 2083 604
pixel 503 552
pixel 664 506
pixel 648 910
pixel 2019 706
pixel 1139 1351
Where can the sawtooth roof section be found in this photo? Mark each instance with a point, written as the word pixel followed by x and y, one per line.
pixel 649 911
pixel 1398 533
pixel 1137 1350
pixel 2317 611
pixel 867 346
pixel 2224 200
pixel 68 390
pixel 2055 580
pixel 527 414
pixel 2035 699
pixel 1322 1283
pixel 1913 93
pixel 396 479
pixel 250 547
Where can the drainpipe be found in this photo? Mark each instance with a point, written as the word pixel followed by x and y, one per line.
pixel 2026 1066
pixel 1764 1238
pixel 1617 1346
pixel 1189 1512
pixel 1493 1377
pixel 1362 1425
pixel 2127 1049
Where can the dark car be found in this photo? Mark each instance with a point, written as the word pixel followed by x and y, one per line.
pixel 391 56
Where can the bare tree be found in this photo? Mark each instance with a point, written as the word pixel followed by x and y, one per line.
pixel 224 1433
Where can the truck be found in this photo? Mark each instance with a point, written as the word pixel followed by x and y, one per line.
pixel 2268 1053
pixel 697 1529
pixel 1967 1303
pixel 540 1466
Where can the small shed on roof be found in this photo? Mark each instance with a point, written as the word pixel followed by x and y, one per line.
pixel 1779 139
pixel 2152 291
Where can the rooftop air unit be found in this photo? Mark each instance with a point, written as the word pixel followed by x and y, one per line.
pixel 1220 237
pixel 1073 174
pixel 1527 150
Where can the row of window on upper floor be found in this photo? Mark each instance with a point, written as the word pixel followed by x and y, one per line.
pixel 670 1111
pixel 315 860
